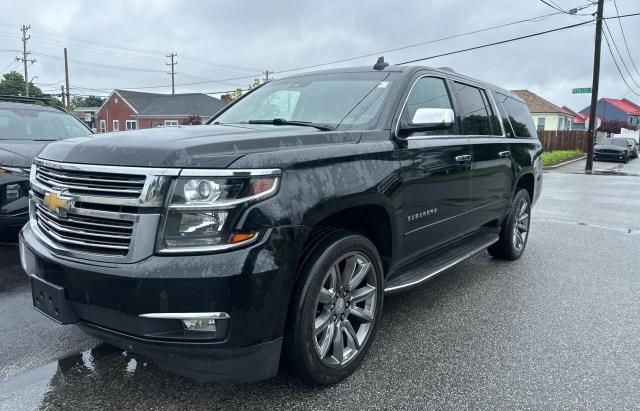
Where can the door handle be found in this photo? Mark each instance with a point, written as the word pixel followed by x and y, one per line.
pixel 504 154
pixel 463 158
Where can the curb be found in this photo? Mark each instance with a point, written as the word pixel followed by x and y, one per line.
pixel 564 163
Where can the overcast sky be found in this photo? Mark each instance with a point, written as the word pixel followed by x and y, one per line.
pixel 122 44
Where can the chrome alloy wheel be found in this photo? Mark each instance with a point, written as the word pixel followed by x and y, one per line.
pixel 521 226
pixel 345 309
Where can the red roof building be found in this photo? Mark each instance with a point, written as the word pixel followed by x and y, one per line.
pixel 616 109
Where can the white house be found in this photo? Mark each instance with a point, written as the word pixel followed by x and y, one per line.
pixel 546 115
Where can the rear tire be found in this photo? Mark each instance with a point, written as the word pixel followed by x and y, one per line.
pixel 515 229
pixel 336 308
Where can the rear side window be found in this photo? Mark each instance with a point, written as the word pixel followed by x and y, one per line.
pixel 519 122
pixel 474 112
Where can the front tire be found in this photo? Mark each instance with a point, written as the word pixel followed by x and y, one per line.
pixel 515 229
pixel 336 309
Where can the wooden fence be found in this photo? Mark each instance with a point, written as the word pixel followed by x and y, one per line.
pixel 563 140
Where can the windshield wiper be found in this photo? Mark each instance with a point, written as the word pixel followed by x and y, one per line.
pixel 283 122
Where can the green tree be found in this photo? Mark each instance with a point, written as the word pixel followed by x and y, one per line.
pixel 12 84
pixel 237 93
pixel 90 101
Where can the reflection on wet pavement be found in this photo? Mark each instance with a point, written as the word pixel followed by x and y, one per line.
pixel 107 377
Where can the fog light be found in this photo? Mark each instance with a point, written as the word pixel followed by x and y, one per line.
pixel 199 324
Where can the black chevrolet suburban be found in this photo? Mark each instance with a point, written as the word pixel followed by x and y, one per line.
pixel 271 234
pixel 26 127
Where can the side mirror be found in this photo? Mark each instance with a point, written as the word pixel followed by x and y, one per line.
pixel 430 119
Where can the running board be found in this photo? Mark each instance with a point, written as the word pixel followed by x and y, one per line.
pixel 434 263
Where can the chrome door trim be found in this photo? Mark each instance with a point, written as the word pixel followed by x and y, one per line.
pixel 450 218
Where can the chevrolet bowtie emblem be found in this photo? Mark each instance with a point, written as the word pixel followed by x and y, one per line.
pixel 57 203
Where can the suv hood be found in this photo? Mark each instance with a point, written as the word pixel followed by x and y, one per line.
pixel 19 153
pixel 609 147
pixel 213 146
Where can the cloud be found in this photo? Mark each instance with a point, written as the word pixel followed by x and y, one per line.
pixel 228 39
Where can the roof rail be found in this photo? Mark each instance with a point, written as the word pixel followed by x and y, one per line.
pixel 46 99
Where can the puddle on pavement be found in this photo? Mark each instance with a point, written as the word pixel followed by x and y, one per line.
pixel 40 386
pixel 108 377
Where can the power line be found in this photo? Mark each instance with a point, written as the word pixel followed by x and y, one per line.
pixel 93 64
pixel 618 67
pixel 624 64
pixel 451 37
pixel 624 37
pixel 574 11
pixel 622 16
pixel 207 81
pixel 495 43
pixel 553 6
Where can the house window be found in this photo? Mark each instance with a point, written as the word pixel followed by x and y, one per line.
pixel 116 125
pixel 170 123
pixel 561 123
pixel 541 121
pixel 132 124
pixel 103 126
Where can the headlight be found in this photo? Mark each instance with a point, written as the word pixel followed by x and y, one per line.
pixel 202 209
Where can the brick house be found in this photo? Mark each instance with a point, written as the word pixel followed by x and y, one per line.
pixel 130 110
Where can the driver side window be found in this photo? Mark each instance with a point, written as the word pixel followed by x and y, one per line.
pixel 429 92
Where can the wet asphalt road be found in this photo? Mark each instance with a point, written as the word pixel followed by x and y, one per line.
pixel 560 328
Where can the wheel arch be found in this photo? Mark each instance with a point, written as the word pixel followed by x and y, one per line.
pixel 369 215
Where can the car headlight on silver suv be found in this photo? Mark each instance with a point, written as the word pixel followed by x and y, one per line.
pixel 203 207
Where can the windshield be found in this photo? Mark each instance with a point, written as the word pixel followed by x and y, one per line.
pixel 619 142
pixel 335 99
pixel 35 124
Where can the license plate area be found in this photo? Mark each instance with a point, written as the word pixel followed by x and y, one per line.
pixel 50 300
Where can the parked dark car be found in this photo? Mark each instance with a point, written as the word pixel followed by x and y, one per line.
pixel 612 149
pixel 632 144
pixel 273 232
pixel 25 129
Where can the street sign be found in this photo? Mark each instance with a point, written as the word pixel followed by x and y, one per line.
pixel 584 90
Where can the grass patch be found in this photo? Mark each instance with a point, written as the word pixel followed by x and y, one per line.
pixel 559 156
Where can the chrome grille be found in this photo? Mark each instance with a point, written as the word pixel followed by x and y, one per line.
pixel 98 235
pixel 100 213
pixel 91 183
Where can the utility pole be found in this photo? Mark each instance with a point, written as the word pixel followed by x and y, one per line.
pixel 62 96
pixel 172 72
pixel 594 88
pixel 24 59
pixel 66 77
pixel 266 75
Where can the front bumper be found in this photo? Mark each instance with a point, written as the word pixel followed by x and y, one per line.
pixel 252 285
pixel 609 156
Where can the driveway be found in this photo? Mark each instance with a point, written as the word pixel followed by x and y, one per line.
pixel 557 329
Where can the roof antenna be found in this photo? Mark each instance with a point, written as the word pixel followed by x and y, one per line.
pixel 380 64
